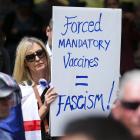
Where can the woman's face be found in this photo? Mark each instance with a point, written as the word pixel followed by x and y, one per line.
pixel 35 59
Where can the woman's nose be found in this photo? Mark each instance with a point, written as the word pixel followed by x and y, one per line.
pixel 37 58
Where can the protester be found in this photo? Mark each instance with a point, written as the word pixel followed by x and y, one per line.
pixel 11 126
pixel 111 3
pixel 128 37
pixel 4 56
pixel 127 107
pixel 45 8
pixel 33 64
pixel 49 35
pixel 96 128
pixel 137 25
pixel 22 21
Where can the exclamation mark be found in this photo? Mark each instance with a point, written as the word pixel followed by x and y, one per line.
pixel 110 95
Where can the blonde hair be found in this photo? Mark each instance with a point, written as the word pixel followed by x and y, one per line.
pixel 21 72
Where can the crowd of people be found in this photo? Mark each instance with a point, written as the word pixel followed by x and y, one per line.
pixel 25 54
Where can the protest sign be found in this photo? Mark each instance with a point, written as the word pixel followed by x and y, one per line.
pixel 85 63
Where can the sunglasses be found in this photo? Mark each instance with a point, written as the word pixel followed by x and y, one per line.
pixel 130 105
pixel 32 57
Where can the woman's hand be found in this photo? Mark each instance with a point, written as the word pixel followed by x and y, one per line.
pixel 50 96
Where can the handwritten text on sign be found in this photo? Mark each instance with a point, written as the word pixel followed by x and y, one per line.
pixel 69 60
pixel 80 102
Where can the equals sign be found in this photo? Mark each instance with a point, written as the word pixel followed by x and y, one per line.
pixel 81 83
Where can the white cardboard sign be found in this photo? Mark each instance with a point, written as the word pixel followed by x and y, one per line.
pixel 85 63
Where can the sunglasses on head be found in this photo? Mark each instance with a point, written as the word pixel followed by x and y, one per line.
pixel 130 105
pixel 32 57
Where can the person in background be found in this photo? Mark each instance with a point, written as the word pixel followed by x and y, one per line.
pixel 137 17
pixel 96 128
pixel 128 37
pixel 137 28
pixel 4 56
pixel 111 3
pixel 45 8
pixel 127 106
pixel 33 64
pixel 6 6
pixel 128 9
pixel 11 123
pixel 49 31
pixel 22 21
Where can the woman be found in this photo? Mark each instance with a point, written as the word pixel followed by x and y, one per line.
pixel 32 64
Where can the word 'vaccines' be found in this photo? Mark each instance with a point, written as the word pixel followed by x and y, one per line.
pixel 82 62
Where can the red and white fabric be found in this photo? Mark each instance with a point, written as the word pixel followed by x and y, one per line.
pixel 32 122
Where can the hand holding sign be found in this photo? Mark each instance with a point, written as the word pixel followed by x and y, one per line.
pixel 50 96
